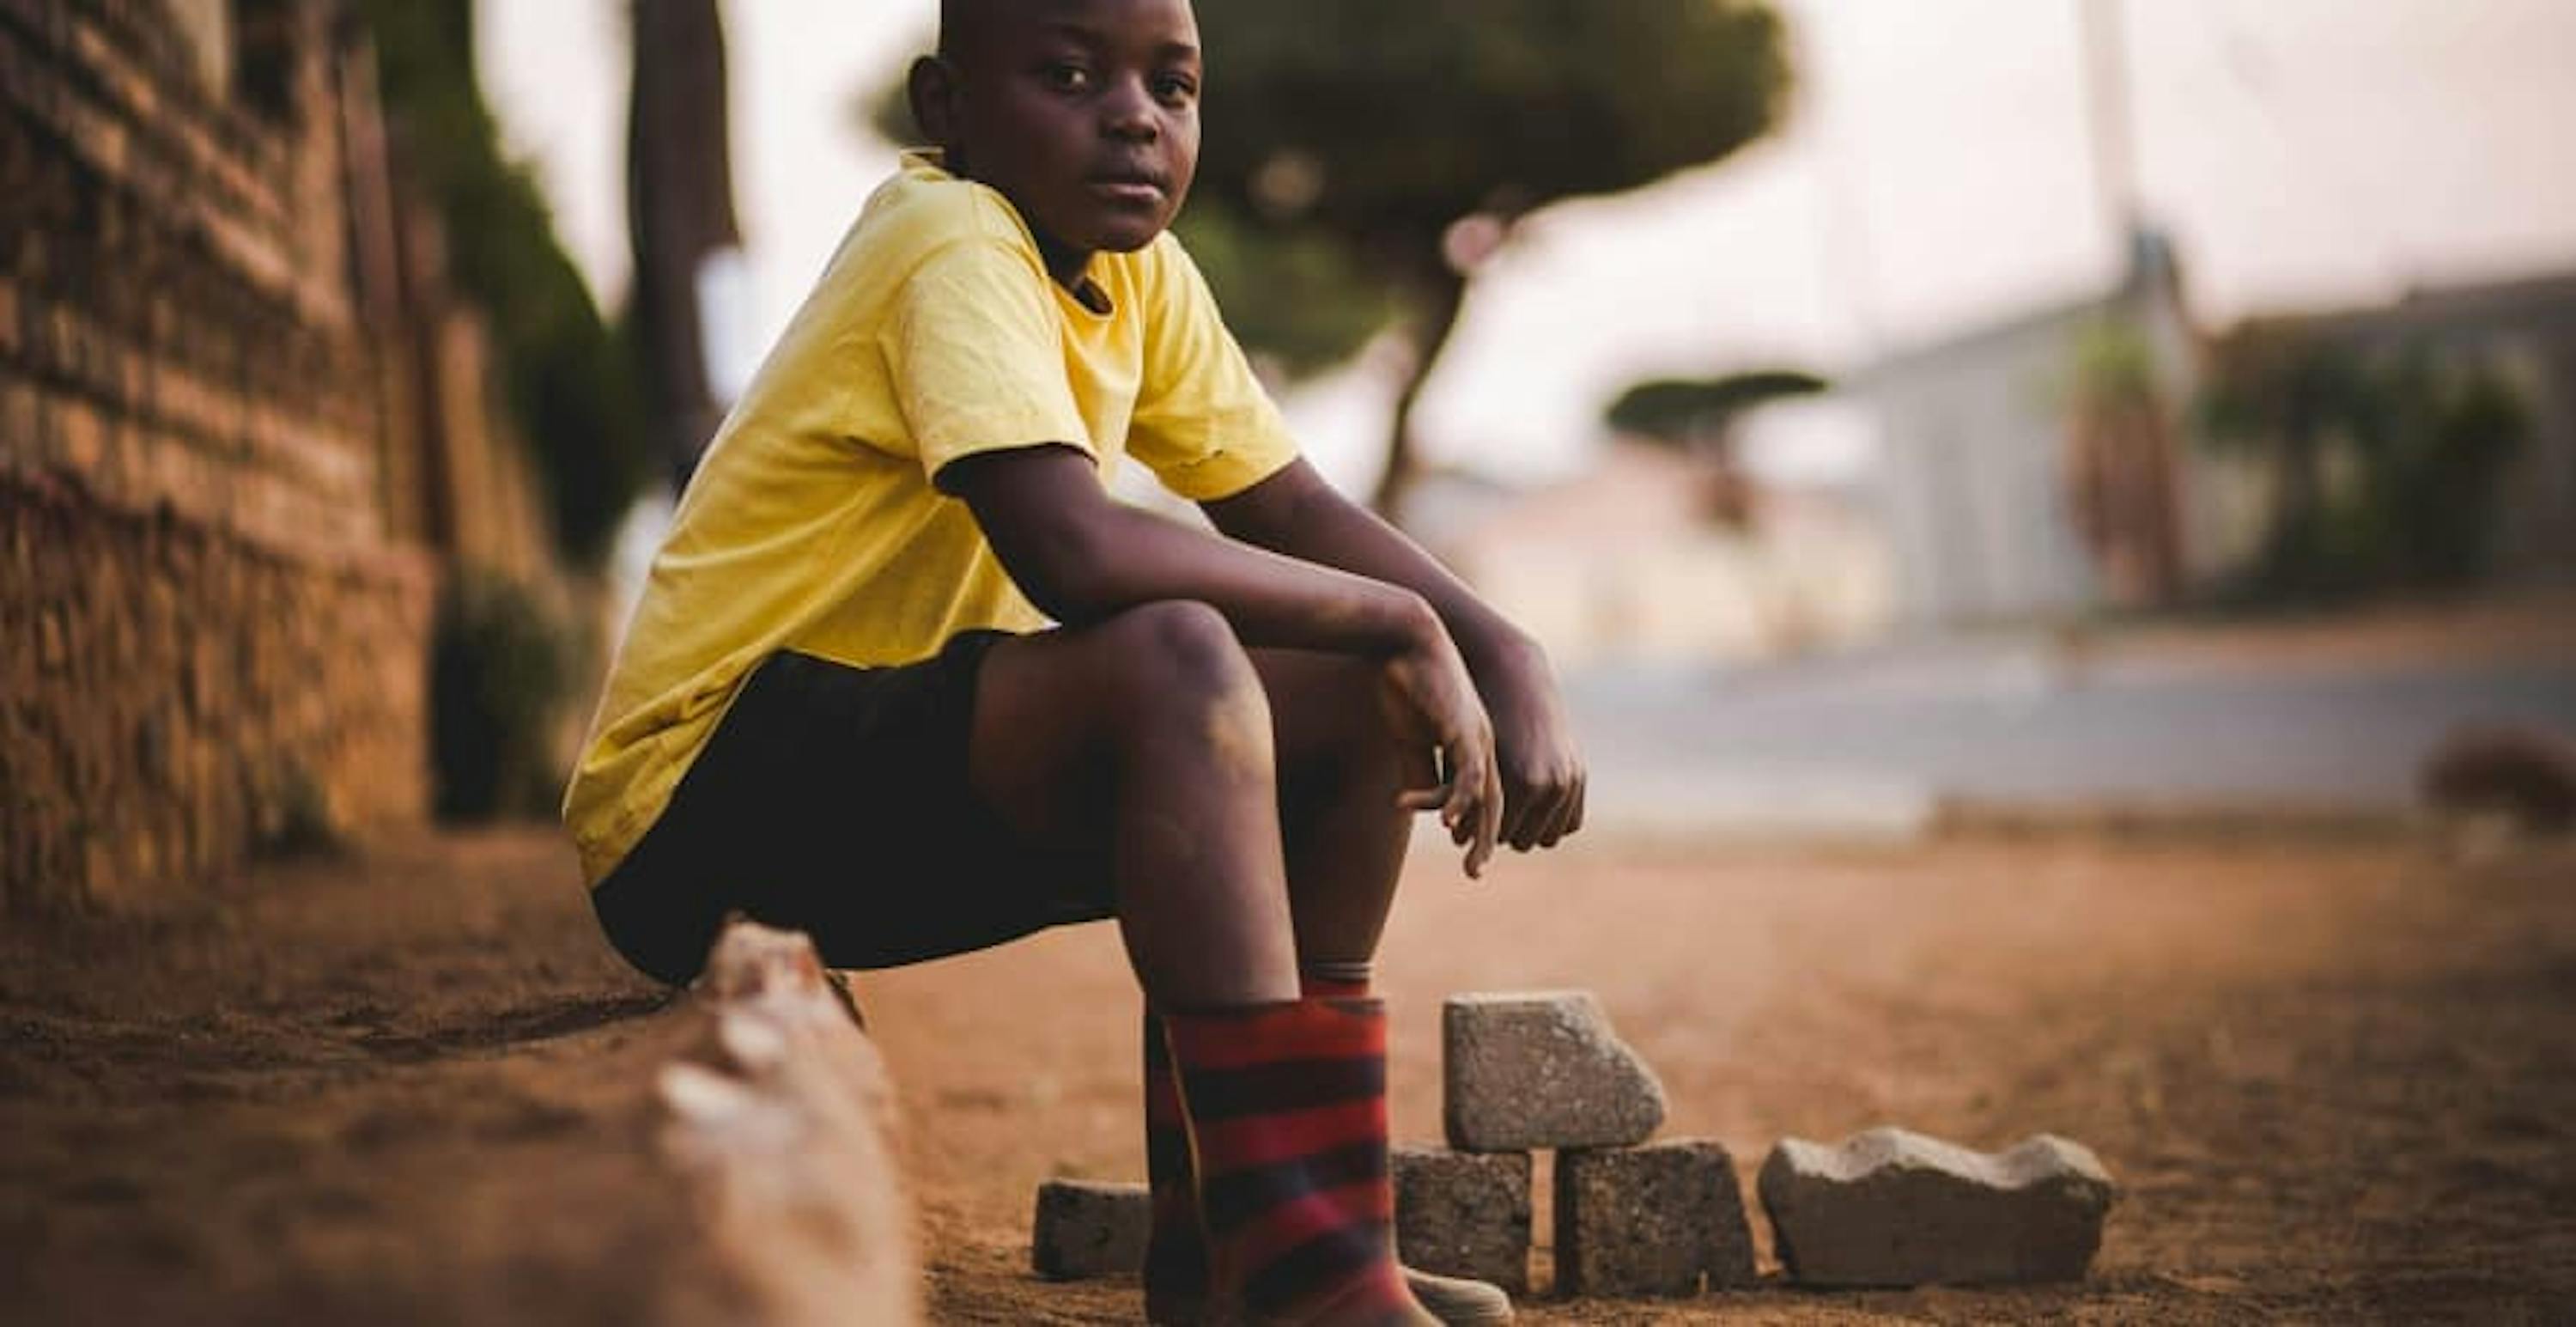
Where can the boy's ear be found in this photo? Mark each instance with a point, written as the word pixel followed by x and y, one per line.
pixel 933 88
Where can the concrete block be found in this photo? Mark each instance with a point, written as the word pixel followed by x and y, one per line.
pixel 1663 1219
pixel 1087 1229
pixel 1464 1214
pixel 1538 1069
pixel 1892 1208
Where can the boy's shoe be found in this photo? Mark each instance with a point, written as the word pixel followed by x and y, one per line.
pixel 1286 1110
pixel 1176 1256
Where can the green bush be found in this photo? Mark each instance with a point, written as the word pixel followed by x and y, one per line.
pixel 499 665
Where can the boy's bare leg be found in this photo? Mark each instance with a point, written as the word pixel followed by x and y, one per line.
pixel 1134 747
pixel 1339 773
pixel 1141 747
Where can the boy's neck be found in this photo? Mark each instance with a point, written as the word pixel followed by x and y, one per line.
pixel 1068 267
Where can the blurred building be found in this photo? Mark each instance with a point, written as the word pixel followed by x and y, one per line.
pixel 1973 453
pixel 242 431
pixel 1976 438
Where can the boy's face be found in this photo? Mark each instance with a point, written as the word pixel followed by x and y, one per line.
pixel 1084 113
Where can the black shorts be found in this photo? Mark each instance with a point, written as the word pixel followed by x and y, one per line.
pixel 833 800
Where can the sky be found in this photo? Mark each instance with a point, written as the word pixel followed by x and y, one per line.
pixel 1936 172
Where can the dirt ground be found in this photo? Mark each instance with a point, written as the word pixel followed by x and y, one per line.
pixel 2332 1077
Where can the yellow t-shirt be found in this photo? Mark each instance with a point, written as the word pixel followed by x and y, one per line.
pixel 813 524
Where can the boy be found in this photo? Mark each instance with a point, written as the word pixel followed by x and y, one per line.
pixel 841 706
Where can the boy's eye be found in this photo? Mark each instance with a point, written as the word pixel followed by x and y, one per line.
pixel 1176 87
pixel 1066 77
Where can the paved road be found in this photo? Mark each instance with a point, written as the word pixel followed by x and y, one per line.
pixel 1878 738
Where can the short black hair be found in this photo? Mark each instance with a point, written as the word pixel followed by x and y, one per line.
pixel 961 22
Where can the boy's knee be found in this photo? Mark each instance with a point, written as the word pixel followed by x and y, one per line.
pixel 1179 649
pixel 1187 675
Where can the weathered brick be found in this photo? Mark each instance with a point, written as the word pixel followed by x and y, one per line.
pixel 1664 1219
pixel 1893 1208
pixel 1464 1214
pixel 1086 1229
pixel 1541 1069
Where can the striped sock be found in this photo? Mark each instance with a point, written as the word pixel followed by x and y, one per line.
pixel 1286 1105
pixel 1176 1252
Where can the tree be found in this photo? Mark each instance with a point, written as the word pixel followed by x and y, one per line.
pixel 1686 411
pixel 1696 417
pixel 679 207
pixel 568 381
pixel 1405 141
pixel 2384 465
pixel 2116 466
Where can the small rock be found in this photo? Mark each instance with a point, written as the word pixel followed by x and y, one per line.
pixel 1087 1229
pixel 1541 1069
pixel 1654 1220
pixel 2524 778
pixel 1464 1214
pixel 1892 1208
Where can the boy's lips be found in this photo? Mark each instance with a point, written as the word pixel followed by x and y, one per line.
pixel 1128 188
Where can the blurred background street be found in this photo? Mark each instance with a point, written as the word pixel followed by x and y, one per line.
pixel 2314 719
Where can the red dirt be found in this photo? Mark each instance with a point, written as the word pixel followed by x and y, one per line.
pixel 2332 1078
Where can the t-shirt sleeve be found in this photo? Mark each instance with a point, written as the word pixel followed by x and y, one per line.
pixel 1203 423
pixel 977 359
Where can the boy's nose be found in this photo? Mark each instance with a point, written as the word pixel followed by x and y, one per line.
pixel 1128 112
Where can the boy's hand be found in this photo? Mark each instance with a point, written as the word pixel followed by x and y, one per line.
pixel 1543 775
pixel 1433 704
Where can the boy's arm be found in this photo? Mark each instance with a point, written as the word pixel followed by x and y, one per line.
pixel 1296 514
pixel 1081 556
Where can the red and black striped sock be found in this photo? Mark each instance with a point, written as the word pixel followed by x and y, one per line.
pixel 1286 1105
pixel 1176 1253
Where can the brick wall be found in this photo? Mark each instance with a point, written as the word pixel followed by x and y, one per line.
pixel 215 571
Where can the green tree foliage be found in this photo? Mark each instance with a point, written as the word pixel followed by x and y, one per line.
pixel 2384 466
pixel 568 377
pixel 1686 410
pixel 1368 131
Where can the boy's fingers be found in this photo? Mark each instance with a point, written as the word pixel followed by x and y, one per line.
pixel 1489 820
pixel 1558 823
pixel 1422 799
pixel 1524 810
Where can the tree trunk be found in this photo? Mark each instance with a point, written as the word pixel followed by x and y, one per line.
pixel 1438 293
pixel 679 206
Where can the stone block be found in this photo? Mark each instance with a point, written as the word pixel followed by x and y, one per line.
pixel 1087 1229
pixel 1664 1219
pixel 1893 1208
pixel 1464 1214
pixel 1541 1069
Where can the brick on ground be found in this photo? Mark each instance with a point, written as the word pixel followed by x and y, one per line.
pixel 1893 1208
pixel 1541 1069
pixel 1663 1219
pixel 1464 1214
pixel 1087 1229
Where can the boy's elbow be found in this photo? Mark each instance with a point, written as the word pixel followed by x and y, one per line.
pixel 1065 575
